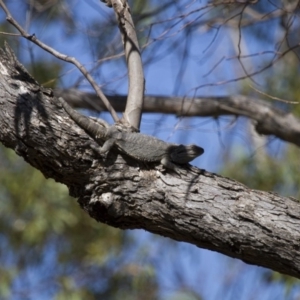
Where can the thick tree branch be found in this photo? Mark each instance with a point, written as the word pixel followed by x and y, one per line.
pixel 268 119
pixel 200 208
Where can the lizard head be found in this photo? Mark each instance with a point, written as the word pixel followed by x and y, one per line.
pixel 183 154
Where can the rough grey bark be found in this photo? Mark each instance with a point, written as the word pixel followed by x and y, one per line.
pixel 200 208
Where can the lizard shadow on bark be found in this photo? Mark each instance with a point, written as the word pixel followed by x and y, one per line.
pixel 24 109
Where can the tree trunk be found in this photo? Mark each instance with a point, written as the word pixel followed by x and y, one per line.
pixel 200 208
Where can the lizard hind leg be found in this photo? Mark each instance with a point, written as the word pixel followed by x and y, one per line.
pixel 104 150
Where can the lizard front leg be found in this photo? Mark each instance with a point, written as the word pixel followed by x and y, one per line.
pixel 165 161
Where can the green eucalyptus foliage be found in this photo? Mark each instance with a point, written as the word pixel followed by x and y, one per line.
pixel 47 238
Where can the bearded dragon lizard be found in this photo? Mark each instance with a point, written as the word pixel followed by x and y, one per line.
pixel 139 146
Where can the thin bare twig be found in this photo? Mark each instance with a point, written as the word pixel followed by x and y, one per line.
pixel 273 97
pixel 9 33
pixel 269 65
pixel 35 40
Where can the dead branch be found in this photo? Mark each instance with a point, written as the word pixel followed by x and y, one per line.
pixel 268 119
